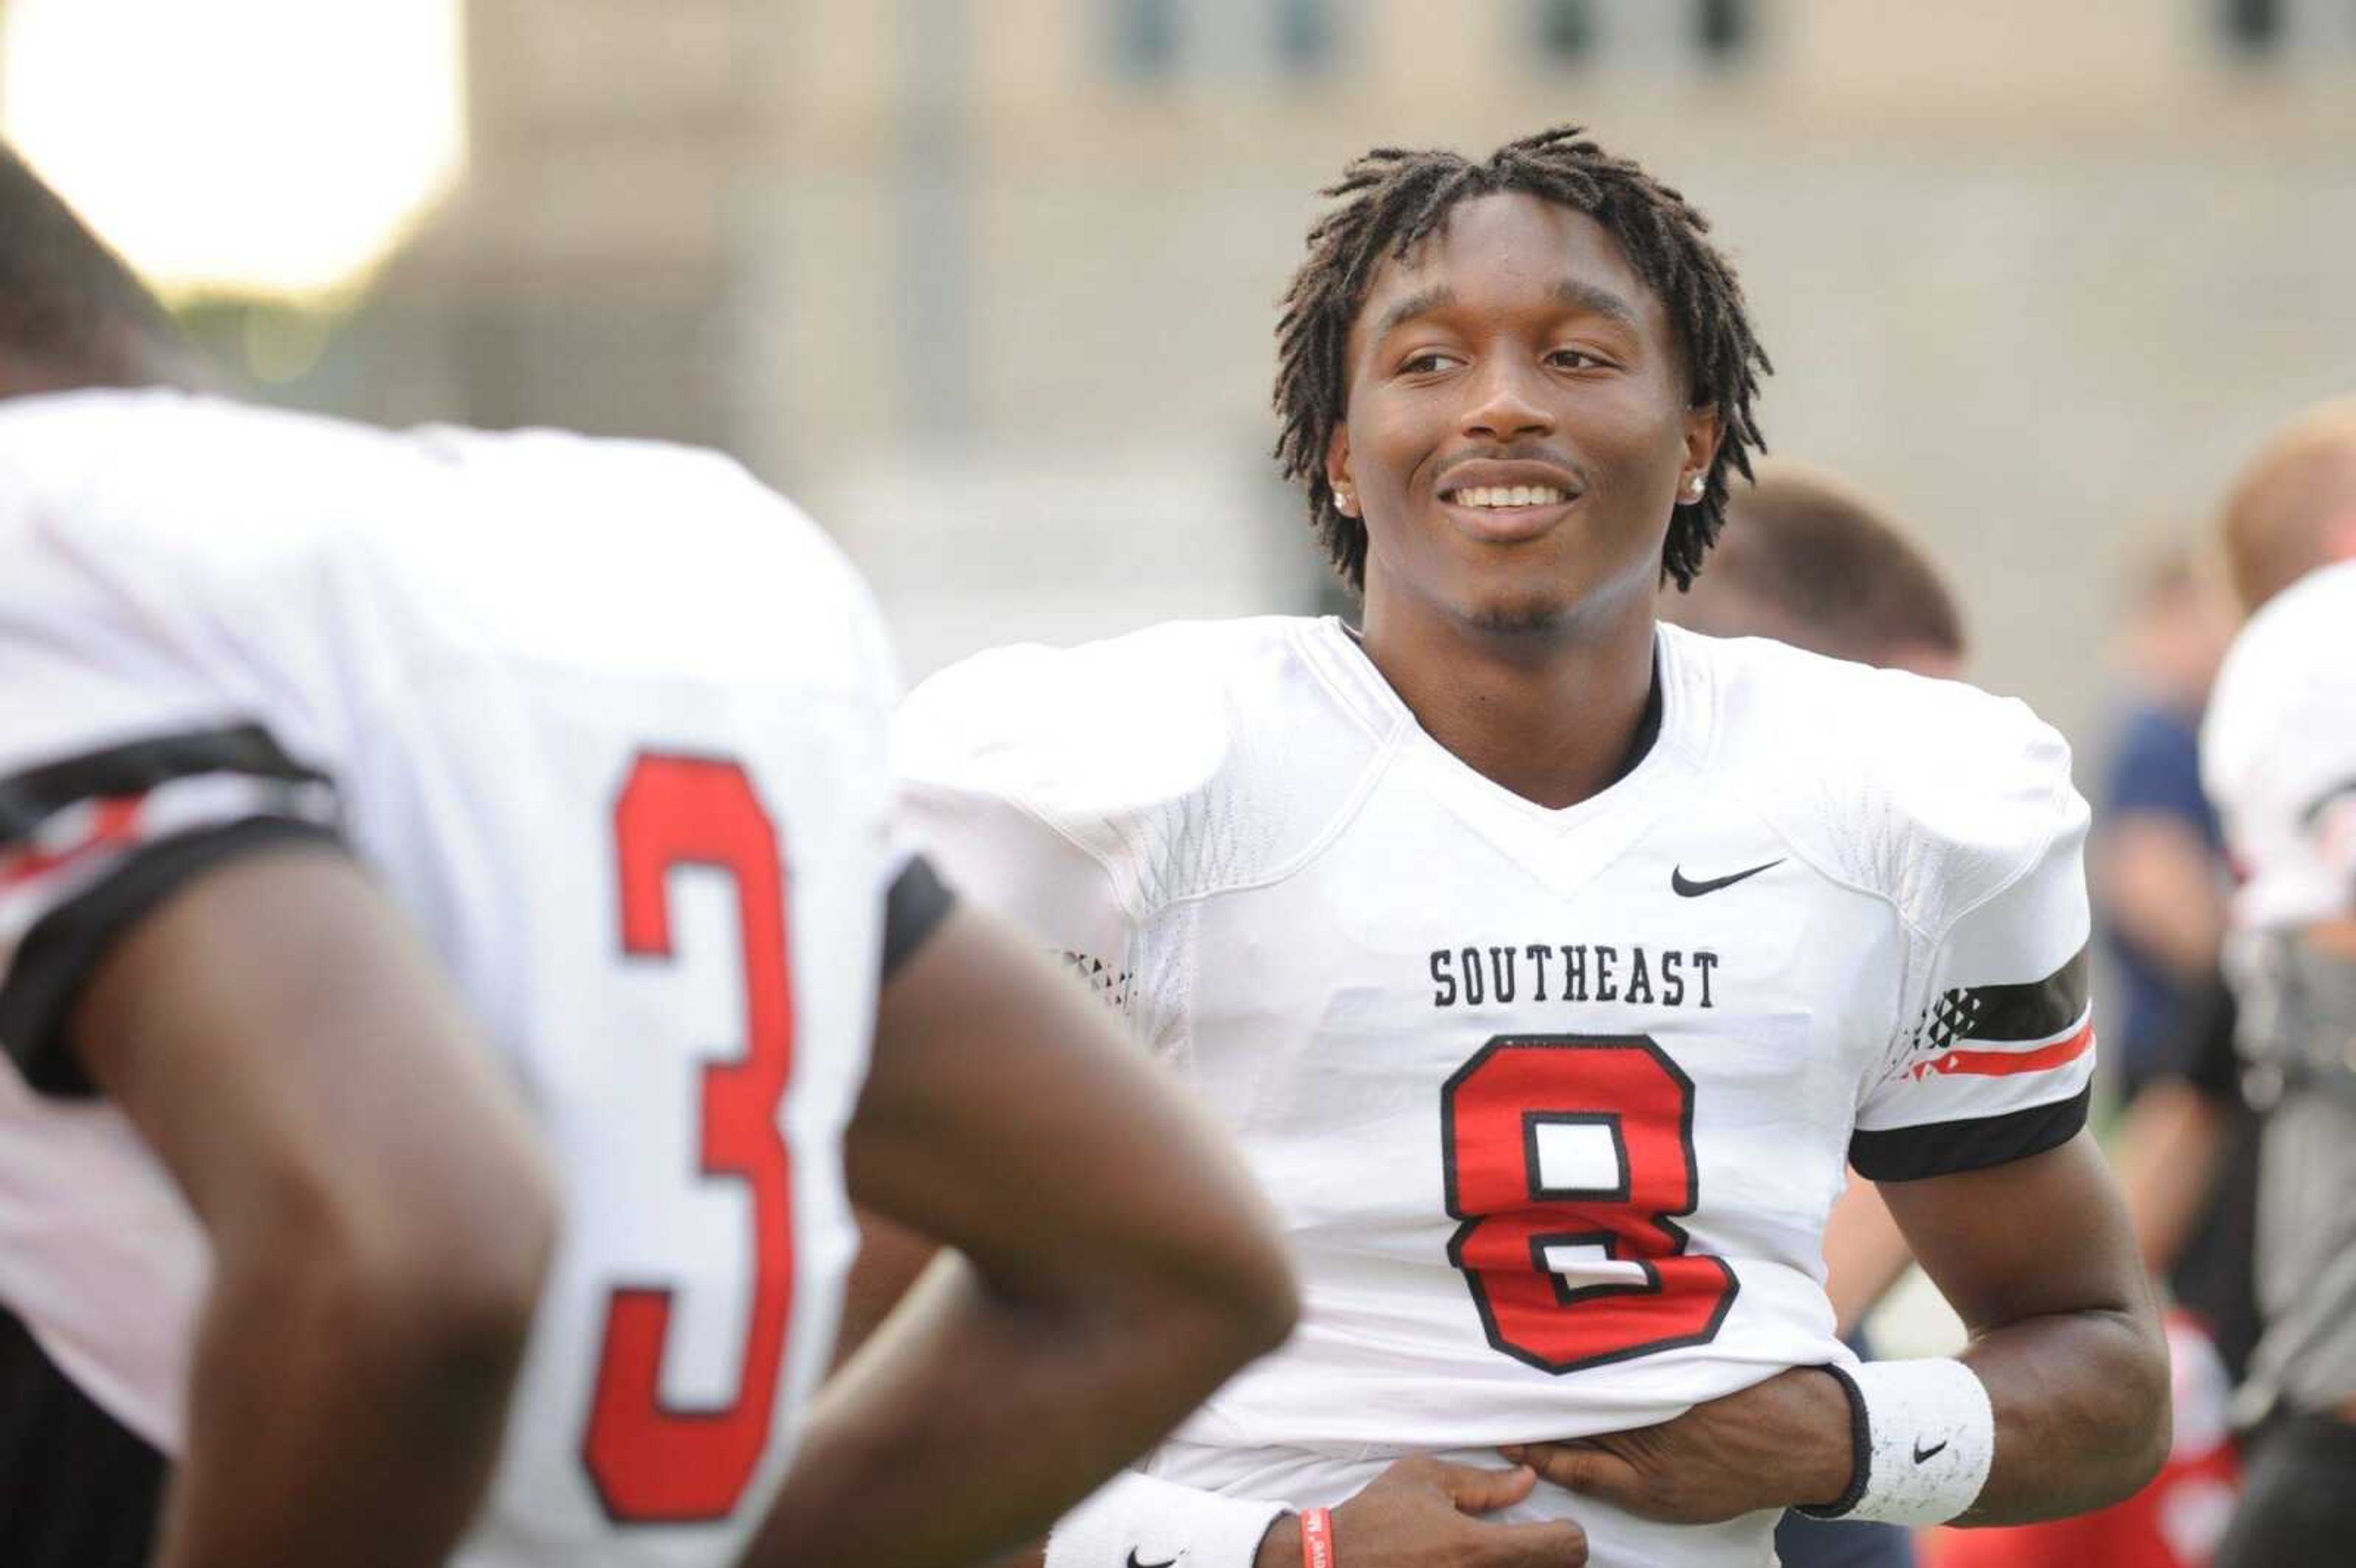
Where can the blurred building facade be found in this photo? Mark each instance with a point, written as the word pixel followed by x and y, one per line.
pixel 989 284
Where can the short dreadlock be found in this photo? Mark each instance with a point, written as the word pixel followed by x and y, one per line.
pixel 1399 197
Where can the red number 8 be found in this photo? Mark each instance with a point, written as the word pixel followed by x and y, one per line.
pixel 1525 1104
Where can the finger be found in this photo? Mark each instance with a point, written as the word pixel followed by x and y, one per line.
pixel 1578 1468
pixel 1477 1490
pixel 1558 1543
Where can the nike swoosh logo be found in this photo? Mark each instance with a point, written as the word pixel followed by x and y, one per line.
pixel 1686 890
pixel 1920 1454
pixel 1165 1562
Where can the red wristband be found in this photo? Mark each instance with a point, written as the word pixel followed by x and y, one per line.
pixel 1317 1538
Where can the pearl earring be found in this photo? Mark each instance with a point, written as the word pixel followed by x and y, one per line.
pixel 1345 504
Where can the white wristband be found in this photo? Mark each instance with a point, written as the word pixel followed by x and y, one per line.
pixel 1924 1434
pixel 1138 1520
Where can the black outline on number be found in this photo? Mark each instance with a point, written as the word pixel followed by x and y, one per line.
pixel 1665 1218
pixel 1612 1120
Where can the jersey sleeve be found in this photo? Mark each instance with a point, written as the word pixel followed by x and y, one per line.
pixel 136 755
pixel 978 749
pixel 1994 1057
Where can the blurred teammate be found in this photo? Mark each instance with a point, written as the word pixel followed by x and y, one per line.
pixel 1808 561
pixel 1552 963
pixel 2278 754
pixel 445 881
pixel 2157 870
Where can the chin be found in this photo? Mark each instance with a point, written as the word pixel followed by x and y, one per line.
pixel 1519 616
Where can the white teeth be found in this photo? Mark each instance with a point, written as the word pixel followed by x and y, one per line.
pixel 1510 495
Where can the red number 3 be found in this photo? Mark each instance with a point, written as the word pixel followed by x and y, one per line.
pixel 651 1463
pixel 1566 1157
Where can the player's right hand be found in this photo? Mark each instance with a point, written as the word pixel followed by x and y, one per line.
pixel 1418 1514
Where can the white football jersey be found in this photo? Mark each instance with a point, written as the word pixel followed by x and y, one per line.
pixel 2278 754
pixel 610 722
pixel 1552 1104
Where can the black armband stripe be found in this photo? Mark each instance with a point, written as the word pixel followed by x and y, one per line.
pixel 31 798
pixel 911 910
pixel 57 956
pixel 1949 1148
pixel 2036 1009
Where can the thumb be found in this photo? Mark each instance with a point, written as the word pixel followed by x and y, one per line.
pixel 1558 1543
pixel 1477 1490
pixel 1578 1468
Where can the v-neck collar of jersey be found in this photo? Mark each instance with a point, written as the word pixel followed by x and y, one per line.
pixel 1483 796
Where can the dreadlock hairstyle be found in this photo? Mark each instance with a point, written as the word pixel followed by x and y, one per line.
pixel 1399 197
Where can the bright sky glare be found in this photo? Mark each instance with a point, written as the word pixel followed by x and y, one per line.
pixel 253 146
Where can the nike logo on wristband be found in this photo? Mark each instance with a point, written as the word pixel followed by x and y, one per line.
pixel 1921 1456
pixel 1165 1562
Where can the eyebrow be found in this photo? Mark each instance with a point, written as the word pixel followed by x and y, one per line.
pixel 1423 302
pixel 1596 299
pixel 1577 293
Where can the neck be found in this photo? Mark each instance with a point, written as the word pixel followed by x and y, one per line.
pixel 1549 713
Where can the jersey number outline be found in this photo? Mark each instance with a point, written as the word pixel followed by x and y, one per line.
pixel 648 1462
pixel 1492 1113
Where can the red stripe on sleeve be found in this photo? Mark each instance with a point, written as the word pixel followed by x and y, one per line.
pixel 111 821
pixel 2004 1063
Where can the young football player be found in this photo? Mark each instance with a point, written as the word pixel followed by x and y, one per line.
pixel 2279 757
pixel 1552 963
pixel 445 882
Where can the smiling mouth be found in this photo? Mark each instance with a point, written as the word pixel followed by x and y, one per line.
pixel 1505 497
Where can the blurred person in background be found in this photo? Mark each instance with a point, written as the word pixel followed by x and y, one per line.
pixel 1808 561
pixel 446 885
pixel 1554 963
pixel 2153 863
pixel 2230 1203
pixel 2187 1146
pixel 2278 755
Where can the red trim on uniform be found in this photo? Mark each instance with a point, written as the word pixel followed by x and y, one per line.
pixel 114 822
pixel 2004 1063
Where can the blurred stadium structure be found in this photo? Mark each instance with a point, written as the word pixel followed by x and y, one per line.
pixel 988 284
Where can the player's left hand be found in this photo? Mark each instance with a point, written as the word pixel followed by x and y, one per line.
pixel 1778 1444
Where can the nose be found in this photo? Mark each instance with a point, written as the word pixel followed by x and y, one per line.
pixel 1504 402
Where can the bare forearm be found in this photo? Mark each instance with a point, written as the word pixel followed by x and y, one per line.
pixel 973 1420
pixel 2167 1144
pixel 2038 1259
pixel 2082 1413
pixel 326 1425
pixel 2158 882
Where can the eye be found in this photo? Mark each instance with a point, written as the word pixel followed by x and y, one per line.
pixel 1427 362
pixel 1578 359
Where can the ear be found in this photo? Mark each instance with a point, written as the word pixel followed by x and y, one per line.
pixel 1337 472
pixel 1703 431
